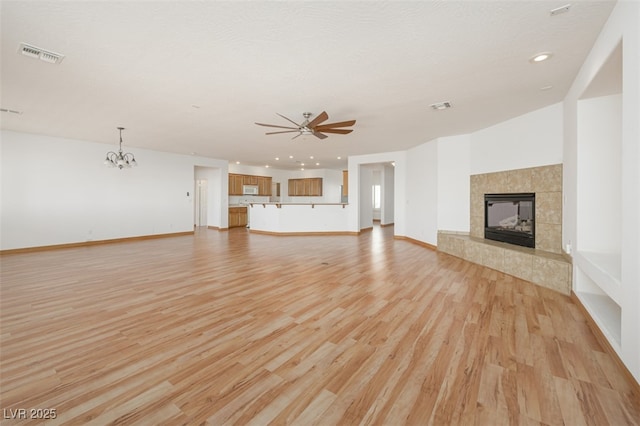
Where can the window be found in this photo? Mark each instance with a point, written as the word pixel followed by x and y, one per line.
pixel 376 196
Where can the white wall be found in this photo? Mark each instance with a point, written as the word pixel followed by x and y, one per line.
pixel 365 194
pixel 57 191
pixel 422 193
pixel 530 140
pixel 454 164
pixel 599 216
pixel 387 195
pixel 243 169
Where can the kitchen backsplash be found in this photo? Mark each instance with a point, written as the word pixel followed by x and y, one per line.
pixel 246 199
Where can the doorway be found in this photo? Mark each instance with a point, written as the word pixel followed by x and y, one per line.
pixel 375 200
pixel 377 195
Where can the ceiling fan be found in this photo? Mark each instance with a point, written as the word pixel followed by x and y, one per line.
pixel 313 127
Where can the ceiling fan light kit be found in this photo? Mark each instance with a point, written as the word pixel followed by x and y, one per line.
pixel 313 127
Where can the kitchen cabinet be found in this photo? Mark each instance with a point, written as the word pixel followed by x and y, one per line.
pixel 249 180
pixel 235 184
pixel 345 183
pixel 237 181
pixel 315 187
pixel 264 185
pixel 296 187
pixel 237 217
pixel 307 187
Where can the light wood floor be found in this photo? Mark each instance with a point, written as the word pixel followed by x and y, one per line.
pixel 238 328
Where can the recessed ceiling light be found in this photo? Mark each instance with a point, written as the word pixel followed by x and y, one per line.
pixel 441 105
pixel 339 158
pixel 237 162
pixel 302 164
pixel 317 164
pixel 539 57
pixel 311 157
pixel 291 156
pixel 302 168
pixel 277 158
pixel 267 166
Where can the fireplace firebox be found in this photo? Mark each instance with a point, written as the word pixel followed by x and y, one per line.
pixel 510 218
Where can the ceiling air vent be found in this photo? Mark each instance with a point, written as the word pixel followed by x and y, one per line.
pixel 38 53
pixel 441 105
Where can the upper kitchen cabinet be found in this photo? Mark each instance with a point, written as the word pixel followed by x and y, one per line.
pixel 315 187
pixel 249 180
pixel 307 187
pixel 235 184
pixel 345 183
pixel 264 185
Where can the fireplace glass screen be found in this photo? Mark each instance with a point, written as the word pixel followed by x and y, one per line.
pixel 510 218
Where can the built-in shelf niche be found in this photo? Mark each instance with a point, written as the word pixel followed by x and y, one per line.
pixel 605 311
pixel 598 259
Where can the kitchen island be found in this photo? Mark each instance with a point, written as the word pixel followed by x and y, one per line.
pixel 300 218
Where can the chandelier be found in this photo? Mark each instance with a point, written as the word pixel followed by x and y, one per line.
pixel 120 160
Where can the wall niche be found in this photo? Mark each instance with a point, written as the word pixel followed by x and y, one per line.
pixel 599 225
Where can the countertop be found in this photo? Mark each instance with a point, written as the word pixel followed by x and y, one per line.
pixel 280 204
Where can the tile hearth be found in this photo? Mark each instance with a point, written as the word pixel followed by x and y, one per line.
pixel 543 268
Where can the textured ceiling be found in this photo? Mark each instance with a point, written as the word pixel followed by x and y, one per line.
pixel 193 77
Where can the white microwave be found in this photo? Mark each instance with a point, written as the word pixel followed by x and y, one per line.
pixel 249 189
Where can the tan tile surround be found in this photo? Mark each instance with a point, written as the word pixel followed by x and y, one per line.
pixel 545 182
pixel 545 265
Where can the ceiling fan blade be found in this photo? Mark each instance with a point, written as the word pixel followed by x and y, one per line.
pixel 319 135
pixel 297 136
pixel 339 131
pixel 273 125
pixel 340 124
pixel 285 131
pixel 319 119
pixel 290 120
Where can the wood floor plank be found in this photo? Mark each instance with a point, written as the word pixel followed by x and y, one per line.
pixel 238 328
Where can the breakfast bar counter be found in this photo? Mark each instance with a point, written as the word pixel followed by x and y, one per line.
pixel 299 218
